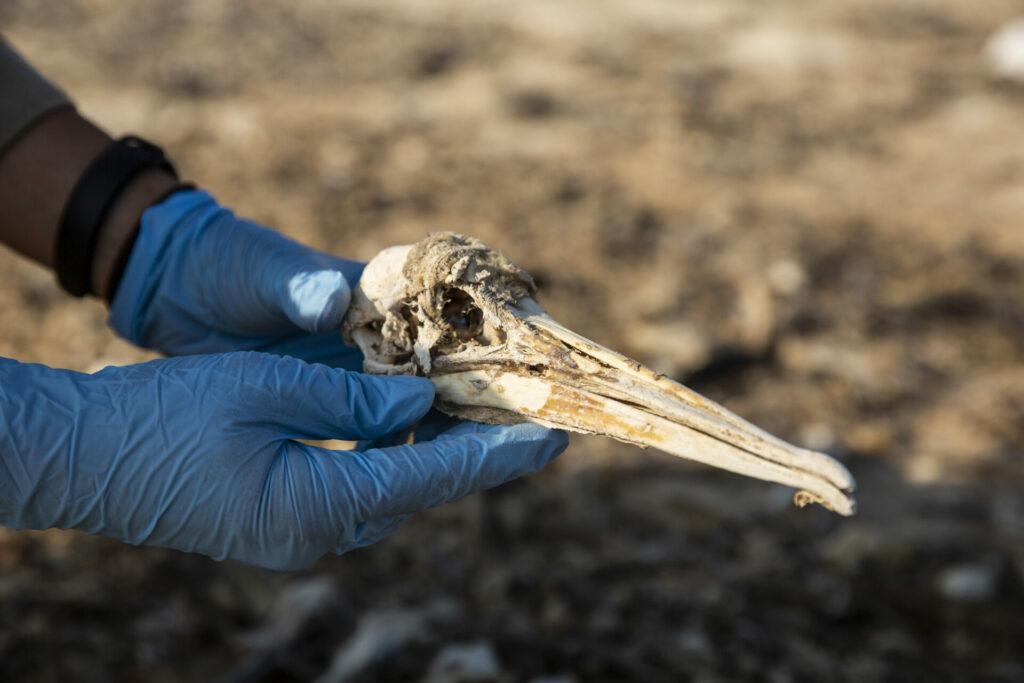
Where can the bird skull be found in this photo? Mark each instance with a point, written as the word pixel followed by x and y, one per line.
pixel 453 310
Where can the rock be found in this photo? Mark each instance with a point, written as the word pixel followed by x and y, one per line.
pixel 779 49
pixel 1004 51
pixel 969 582
pixel 671 348
pixel 465 663
pixel 695 643
pixel 817 436
pixel 753 319
pixel 786 277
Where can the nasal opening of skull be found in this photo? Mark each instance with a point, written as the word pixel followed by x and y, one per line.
pixel 463 321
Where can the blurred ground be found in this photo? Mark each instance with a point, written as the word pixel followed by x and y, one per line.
pixel 808 211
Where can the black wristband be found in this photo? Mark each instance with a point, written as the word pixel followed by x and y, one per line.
pixel 89 203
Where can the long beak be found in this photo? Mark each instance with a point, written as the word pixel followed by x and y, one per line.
pixel 585 387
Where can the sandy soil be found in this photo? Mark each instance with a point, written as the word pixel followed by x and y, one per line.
pixel 808 211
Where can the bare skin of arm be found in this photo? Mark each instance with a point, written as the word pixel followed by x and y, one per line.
pixel 38 172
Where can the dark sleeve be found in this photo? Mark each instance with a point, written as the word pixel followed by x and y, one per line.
pixel 25 96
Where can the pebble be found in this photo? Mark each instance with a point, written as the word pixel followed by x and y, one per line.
pixel 786 277
pixel 695 643
pixel 1004 51
pixel 818 436
pixel 968 582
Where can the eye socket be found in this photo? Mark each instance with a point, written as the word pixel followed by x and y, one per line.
pixel 462 316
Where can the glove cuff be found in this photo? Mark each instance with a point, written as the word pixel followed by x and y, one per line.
pixel 144 267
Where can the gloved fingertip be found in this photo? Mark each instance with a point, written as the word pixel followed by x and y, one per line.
pixel 557 441
pixel 471 457
pixel 546 444
pixel 390 403
pixel 549 443
pixel 316 301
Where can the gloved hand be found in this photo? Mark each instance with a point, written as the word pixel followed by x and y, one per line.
pixel 200 280
pixel 199 454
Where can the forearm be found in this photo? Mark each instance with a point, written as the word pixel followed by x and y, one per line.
pixel 39 168
pixel 37 173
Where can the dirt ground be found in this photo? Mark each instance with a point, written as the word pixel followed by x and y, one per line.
pixel 810 212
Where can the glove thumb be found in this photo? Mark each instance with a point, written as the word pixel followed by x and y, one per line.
pixel 316 300
pixel 319 402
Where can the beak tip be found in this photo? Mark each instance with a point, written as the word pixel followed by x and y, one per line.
pixel 844 505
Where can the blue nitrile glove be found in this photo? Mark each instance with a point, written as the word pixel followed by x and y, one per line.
pixel 201 280
pixel 199 453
